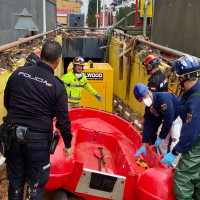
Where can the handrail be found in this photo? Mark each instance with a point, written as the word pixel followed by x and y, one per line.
pixel 163 49
pixel 159 47
pixel 123 34
pixel 16 43
pixel 83 28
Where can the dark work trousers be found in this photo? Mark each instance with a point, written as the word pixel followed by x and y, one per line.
pixel 157 123
pixel 29 163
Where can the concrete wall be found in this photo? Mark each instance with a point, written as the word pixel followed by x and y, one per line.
pixel 176 25
pixel 35 7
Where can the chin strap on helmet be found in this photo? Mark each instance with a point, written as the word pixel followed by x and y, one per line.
pixel 148 71
pixel 152 60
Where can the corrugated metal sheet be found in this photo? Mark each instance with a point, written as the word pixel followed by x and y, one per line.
pixel 176 25
pixel 85 47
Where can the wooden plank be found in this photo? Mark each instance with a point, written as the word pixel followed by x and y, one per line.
pixel 125 52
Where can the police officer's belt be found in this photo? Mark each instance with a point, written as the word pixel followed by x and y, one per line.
pixel 37 135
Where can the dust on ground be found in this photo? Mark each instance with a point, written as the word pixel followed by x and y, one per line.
pixel 3 183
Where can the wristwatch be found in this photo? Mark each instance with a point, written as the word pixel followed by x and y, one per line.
pixel 175 152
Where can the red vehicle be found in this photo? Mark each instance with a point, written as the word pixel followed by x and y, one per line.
pixel 103 165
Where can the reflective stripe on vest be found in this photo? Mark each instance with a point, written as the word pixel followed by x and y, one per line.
pixel 163 83
pixel 70 85
pixel 74 98
pixel 76 85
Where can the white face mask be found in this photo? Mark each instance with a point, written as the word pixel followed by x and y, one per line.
pixel 147 101
pixel 78 75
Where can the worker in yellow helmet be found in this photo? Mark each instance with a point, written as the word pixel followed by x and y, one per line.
pixel 75 81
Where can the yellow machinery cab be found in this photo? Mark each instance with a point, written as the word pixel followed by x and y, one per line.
pixel 100 77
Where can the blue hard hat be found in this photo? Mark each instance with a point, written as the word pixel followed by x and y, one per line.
pixel 140 90
pixel 186 65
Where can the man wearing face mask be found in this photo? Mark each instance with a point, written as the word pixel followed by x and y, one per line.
pixel 187 173
pixel 158 104
pixel 75 81
pixel 157 82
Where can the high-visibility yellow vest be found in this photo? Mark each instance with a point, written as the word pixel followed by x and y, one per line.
pixel 74 86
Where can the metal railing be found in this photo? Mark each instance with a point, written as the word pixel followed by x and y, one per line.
pixel 25 40
pixel 121 36
pixel 125 37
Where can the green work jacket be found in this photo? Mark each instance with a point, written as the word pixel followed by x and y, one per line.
pixel 74 86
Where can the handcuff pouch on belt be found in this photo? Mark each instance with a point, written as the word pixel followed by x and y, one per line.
pixel 9 132
pixel 21 133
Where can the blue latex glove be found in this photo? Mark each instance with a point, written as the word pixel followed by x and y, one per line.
pixel 168 159
pixel 158 141
pixel 141 150
pixel 98 97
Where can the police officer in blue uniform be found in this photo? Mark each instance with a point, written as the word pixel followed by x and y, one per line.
pixel 158 104
pixel 187 172
pixel 157 82
pixel 33 97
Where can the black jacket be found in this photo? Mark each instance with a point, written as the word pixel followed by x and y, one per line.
pixel 158 82
pixel 34 96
